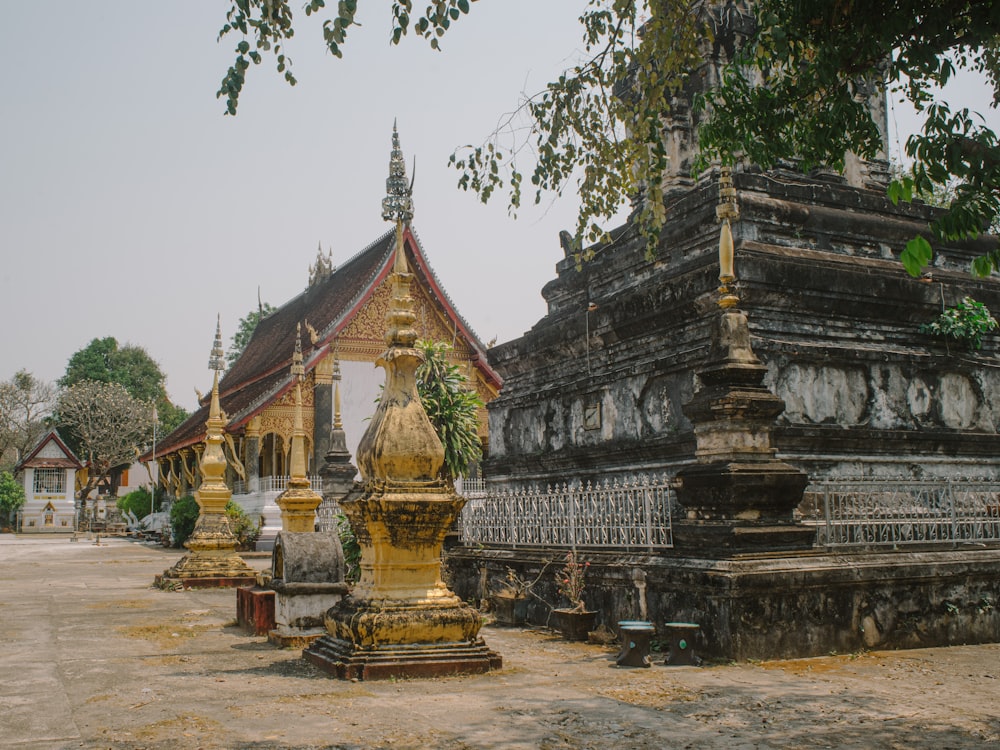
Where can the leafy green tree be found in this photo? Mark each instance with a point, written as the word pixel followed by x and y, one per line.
pixel 104 361
pixel 452 408
pixel 108 426
pixel 244 332
pixel 25 405
pixel 11 497
pixel 600 122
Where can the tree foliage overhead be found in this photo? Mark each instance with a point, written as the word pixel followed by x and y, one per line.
pixel 244 332
pixel 599 124
pixel 25 404
pixel 104 361
pixel 107 425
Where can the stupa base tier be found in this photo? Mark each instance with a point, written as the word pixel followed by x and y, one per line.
pixel 368 624
pixel 208 571
pixel 295 637
pixel 736 536
pixel 346 661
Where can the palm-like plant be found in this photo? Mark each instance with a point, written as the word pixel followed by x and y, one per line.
pixel 452 407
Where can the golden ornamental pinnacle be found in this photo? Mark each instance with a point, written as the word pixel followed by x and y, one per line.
pixel 297 368
pixel 727 210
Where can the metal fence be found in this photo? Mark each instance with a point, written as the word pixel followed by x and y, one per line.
pixel 273 484
pixel 892 513
pixel 629 514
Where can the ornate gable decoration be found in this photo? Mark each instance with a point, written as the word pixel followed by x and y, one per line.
pixel 323 268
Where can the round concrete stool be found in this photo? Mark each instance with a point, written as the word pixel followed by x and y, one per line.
pixel 682 635
pixel 635 635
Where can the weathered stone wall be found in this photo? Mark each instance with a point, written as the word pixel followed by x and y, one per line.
pixel 596 387
pixel 771 607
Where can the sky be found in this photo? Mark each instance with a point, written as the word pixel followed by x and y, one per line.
pixel 131 207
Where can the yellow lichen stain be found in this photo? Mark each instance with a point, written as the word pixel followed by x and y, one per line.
pixel 651 696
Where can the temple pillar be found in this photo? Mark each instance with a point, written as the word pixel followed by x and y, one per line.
pixel 322 409
pixel 252 459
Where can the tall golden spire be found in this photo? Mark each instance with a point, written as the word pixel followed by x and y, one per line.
pixel 727 210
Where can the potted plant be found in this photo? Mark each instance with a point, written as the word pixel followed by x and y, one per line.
pixel 576 621
pixel 510 602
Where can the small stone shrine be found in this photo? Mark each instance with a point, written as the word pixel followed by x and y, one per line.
pixel 213 560
pixel 401 620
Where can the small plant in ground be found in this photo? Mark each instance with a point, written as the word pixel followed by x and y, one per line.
pixel 244 529
pixel 183 516
pixel 11 497
pixel 570 580
pixel 514 586
pixel 966 322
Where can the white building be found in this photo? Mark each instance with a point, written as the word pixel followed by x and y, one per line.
pixel 48 473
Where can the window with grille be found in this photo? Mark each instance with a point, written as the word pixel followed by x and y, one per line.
pixel 50 481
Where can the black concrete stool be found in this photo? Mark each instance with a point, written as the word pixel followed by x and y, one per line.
pixel 681 635
pixel 635 635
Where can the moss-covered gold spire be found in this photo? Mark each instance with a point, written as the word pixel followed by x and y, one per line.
pixel 299 502
pixel 400 444
pixel 213 560
pixel 727 211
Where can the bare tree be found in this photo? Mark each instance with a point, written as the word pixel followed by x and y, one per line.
pixel 25 402
pixel 107 425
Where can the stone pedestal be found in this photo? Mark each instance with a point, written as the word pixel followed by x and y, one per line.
pixel 307 570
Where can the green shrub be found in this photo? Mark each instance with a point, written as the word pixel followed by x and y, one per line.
pixel 966 322
pixel 183 516
pixel 352 550
pixel 138 502
pixel 242 526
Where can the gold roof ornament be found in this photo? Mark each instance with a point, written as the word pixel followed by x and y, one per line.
pixel 398 202
pixel 728 210
pixel 323 268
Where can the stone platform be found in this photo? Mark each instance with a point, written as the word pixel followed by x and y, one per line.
pixel 783 605
pixel 344 660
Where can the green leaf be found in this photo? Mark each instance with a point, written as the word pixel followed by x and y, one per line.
pixel 916 255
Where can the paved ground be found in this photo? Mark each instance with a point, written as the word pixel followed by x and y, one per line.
pixel 91 656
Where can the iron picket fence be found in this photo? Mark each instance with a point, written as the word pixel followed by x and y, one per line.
pixel 893 513
pixel 624 514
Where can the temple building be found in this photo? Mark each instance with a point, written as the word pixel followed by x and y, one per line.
pixel 48 472
pixel 343 312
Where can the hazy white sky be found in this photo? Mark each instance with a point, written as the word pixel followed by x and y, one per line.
pixel 131 207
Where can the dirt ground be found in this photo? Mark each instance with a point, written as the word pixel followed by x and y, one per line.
pixel 91 656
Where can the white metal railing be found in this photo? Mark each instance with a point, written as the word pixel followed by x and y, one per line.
pixel 326 515
pixel 634 513
pixel 890 513
pixel 470 486
pixel 273 484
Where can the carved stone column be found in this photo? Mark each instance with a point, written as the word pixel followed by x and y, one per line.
pixel 252 461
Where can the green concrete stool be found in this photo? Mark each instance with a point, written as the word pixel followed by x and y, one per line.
pixel 635 635
pixel 682 635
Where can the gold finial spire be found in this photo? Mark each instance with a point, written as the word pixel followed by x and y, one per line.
pixel 727 210
pixel 217 359
pixel 297 369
